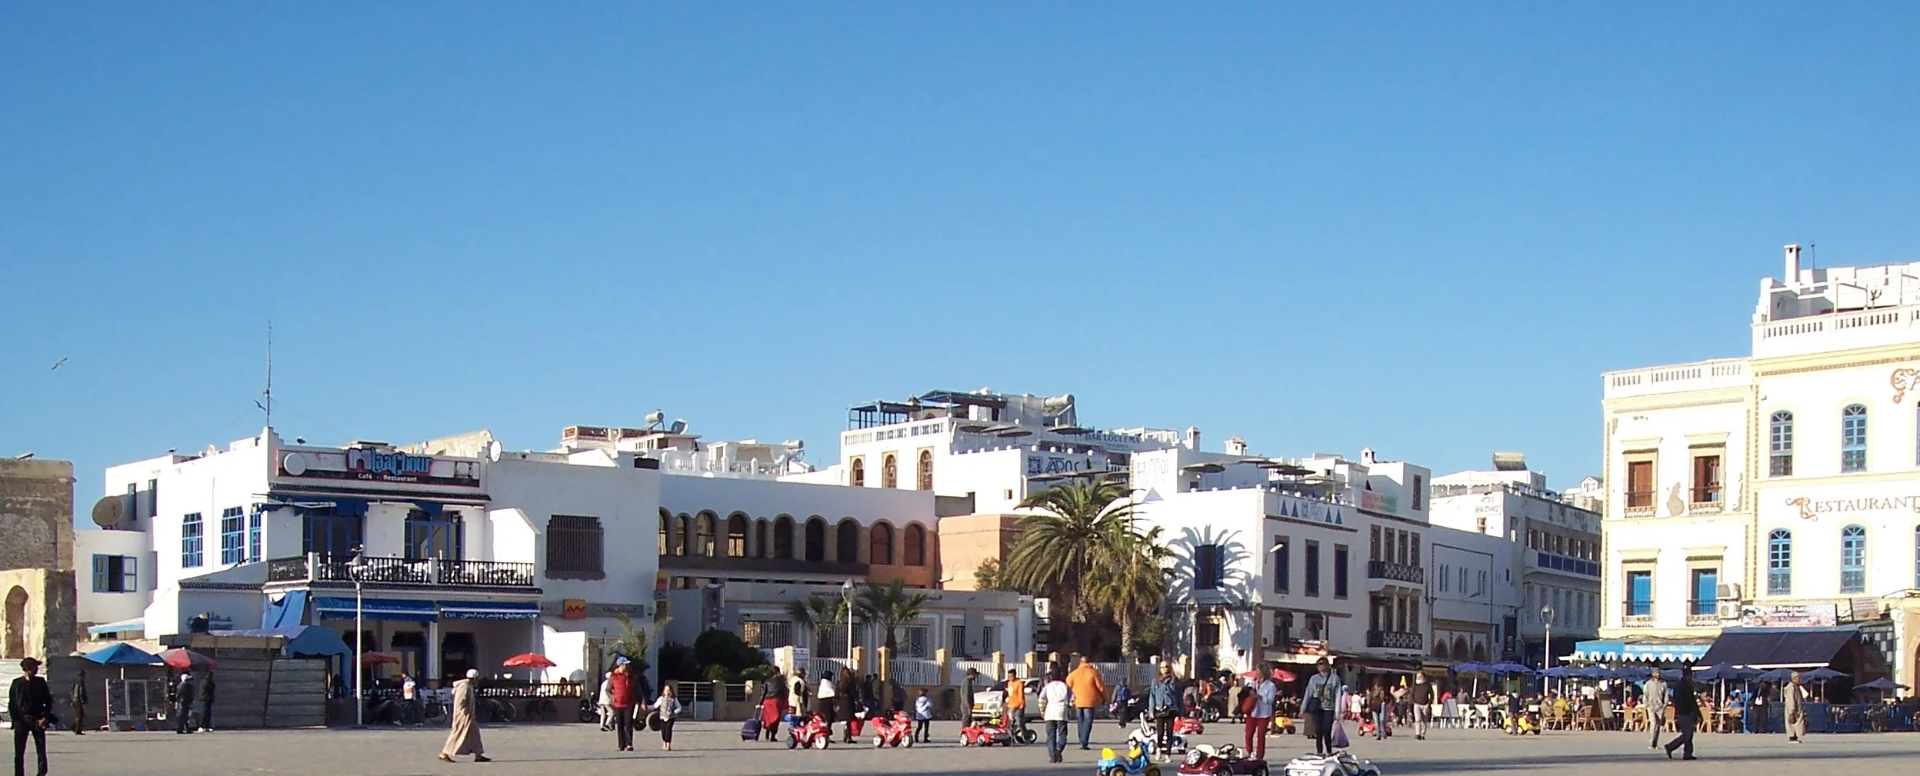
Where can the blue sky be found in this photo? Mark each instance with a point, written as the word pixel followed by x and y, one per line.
pixel 1420 227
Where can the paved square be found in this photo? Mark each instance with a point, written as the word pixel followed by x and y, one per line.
pixel 716 749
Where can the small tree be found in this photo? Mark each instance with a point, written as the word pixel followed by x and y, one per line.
pixel 891 607
pixel 819 615
pixel 637 643
pixel 988 576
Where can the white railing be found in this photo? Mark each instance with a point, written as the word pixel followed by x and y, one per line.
pixel 958 673
pixel 826 666
pixel 1837 331
pixel 916 671
pixel 1113 674
pixel 1719 373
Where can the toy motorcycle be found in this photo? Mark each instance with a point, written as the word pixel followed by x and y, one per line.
pixel 892 731
pixel 1341 764
pixel 1135 763
pixel 1148 739
pixel 1225 761
pixel 814 732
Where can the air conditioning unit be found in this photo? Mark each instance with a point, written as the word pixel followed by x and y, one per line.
pixel 1729 610
pixel 1728 592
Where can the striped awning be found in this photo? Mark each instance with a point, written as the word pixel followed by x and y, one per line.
pixel 1613 651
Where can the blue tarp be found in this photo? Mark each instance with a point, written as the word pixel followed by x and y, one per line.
pixel 376 609
pixel 288 612
pixel 302 640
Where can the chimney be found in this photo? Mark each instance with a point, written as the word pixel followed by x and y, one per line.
pixel 1793 264
pixel 1193 437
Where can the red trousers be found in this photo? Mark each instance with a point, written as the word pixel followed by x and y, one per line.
pixel 1256 738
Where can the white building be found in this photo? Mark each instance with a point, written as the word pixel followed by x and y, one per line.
pixel 1778 487
pixel 1552 544
pixel 1291 559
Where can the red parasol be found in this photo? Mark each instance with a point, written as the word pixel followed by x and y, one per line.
pixel 187 660
pixel 529 660
pixel 1279 675
pixel 379 659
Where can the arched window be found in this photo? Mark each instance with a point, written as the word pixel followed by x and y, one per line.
pixel 685 539
pixel 1780 562
pixel 859 475
pixel 666 522
pixel 915 545
pixel 846 542
pixel 1853 559
pixel 736 535
pixel 762 532
pixel 783 538
pixel 704 527
pixel 1853 438
pixel 1780 444
pixel 816 548
pixel 926 470
pixel 880 545
pixel 889 471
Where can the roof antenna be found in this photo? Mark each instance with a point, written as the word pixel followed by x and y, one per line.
pixel 268 393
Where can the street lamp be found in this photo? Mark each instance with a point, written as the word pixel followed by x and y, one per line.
pixel 1546 617
pixel 354 568
pixel 846 599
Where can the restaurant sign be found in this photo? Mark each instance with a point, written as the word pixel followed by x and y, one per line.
pixel 1789 616
pixel 373 465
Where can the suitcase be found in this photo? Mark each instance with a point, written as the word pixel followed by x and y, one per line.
pixel 750 729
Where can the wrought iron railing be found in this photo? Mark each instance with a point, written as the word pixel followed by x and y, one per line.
pixel 1393 640
pixel 315 567
pixel 1399 572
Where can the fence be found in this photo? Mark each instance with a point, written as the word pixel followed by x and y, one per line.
pixel 958 675
pixel 696 698
pixel 826 666
pixel 916 671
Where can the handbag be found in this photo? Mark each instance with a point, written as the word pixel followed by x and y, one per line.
pixel 1340 736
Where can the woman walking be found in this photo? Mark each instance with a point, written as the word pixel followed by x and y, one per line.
pixel 847 692
pixel 464 738
pixel 773 702
pixel 1322 699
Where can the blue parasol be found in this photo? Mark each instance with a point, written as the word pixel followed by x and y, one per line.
pixel 122 655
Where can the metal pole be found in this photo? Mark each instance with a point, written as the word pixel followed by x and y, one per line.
pixel 359 633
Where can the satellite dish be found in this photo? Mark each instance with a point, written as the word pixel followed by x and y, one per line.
pixel 294 464
pixel 107 511
pixel 493 450
pixel 678 427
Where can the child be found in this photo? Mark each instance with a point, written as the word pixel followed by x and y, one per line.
pixel 922 716
pixel 667 707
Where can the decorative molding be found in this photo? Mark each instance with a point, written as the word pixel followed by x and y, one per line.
pixel 1904 379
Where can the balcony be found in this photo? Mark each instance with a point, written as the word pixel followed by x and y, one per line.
pixel 1554 561
pixel 1637 614
pixel 1705 500
pixel 1398 572
pixel 324 569
pixel 1394 640
pixel 1697 376
pixel 1639 502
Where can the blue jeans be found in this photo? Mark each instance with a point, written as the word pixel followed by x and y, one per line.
pixel 1379 723
pixel 1086 726
pixel 1056 739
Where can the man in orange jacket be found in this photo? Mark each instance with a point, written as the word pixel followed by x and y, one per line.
pixel 1088 693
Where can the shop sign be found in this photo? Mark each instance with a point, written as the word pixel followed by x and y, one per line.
pixel 1788 616
pixel 573 609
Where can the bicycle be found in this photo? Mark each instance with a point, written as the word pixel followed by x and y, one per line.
pixel 541 709
pixel 497 710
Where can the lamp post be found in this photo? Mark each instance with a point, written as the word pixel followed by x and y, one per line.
pixel 846 600
pixel 1546 618
pixel 354 567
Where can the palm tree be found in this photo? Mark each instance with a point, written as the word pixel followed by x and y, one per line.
pixel 1133 583
pixel 891 607
pixel 1075 531
pixel 818 614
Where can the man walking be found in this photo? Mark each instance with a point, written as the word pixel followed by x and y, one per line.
pixel 623 703
pixel 1016 703
pixel 1793 701
pixel 464 738
pixel 1422 698
pixel 1686 715
pixel 1088 693
pixel 30 706
pixel 1654 694
pixel 77 697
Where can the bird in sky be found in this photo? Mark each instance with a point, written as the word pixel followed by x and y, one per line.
pixel 60 363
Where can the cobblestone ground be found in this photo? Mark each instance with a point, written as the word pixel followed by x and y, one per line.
pixel 715 748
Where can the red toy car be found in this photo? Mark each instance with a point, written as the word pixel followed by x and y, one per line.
pixel 993 731
pixel 1225 761
pixel 814 733
pixel 892 731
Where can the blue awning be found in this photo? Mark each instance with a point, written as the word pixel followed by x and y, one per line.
pixel 286 612
pixel 489 610
pixel 1614 650
pixel 375 609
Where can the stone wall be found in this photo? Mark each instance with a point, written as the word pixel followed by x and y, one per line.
pixel 38 614
pixel 36 514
